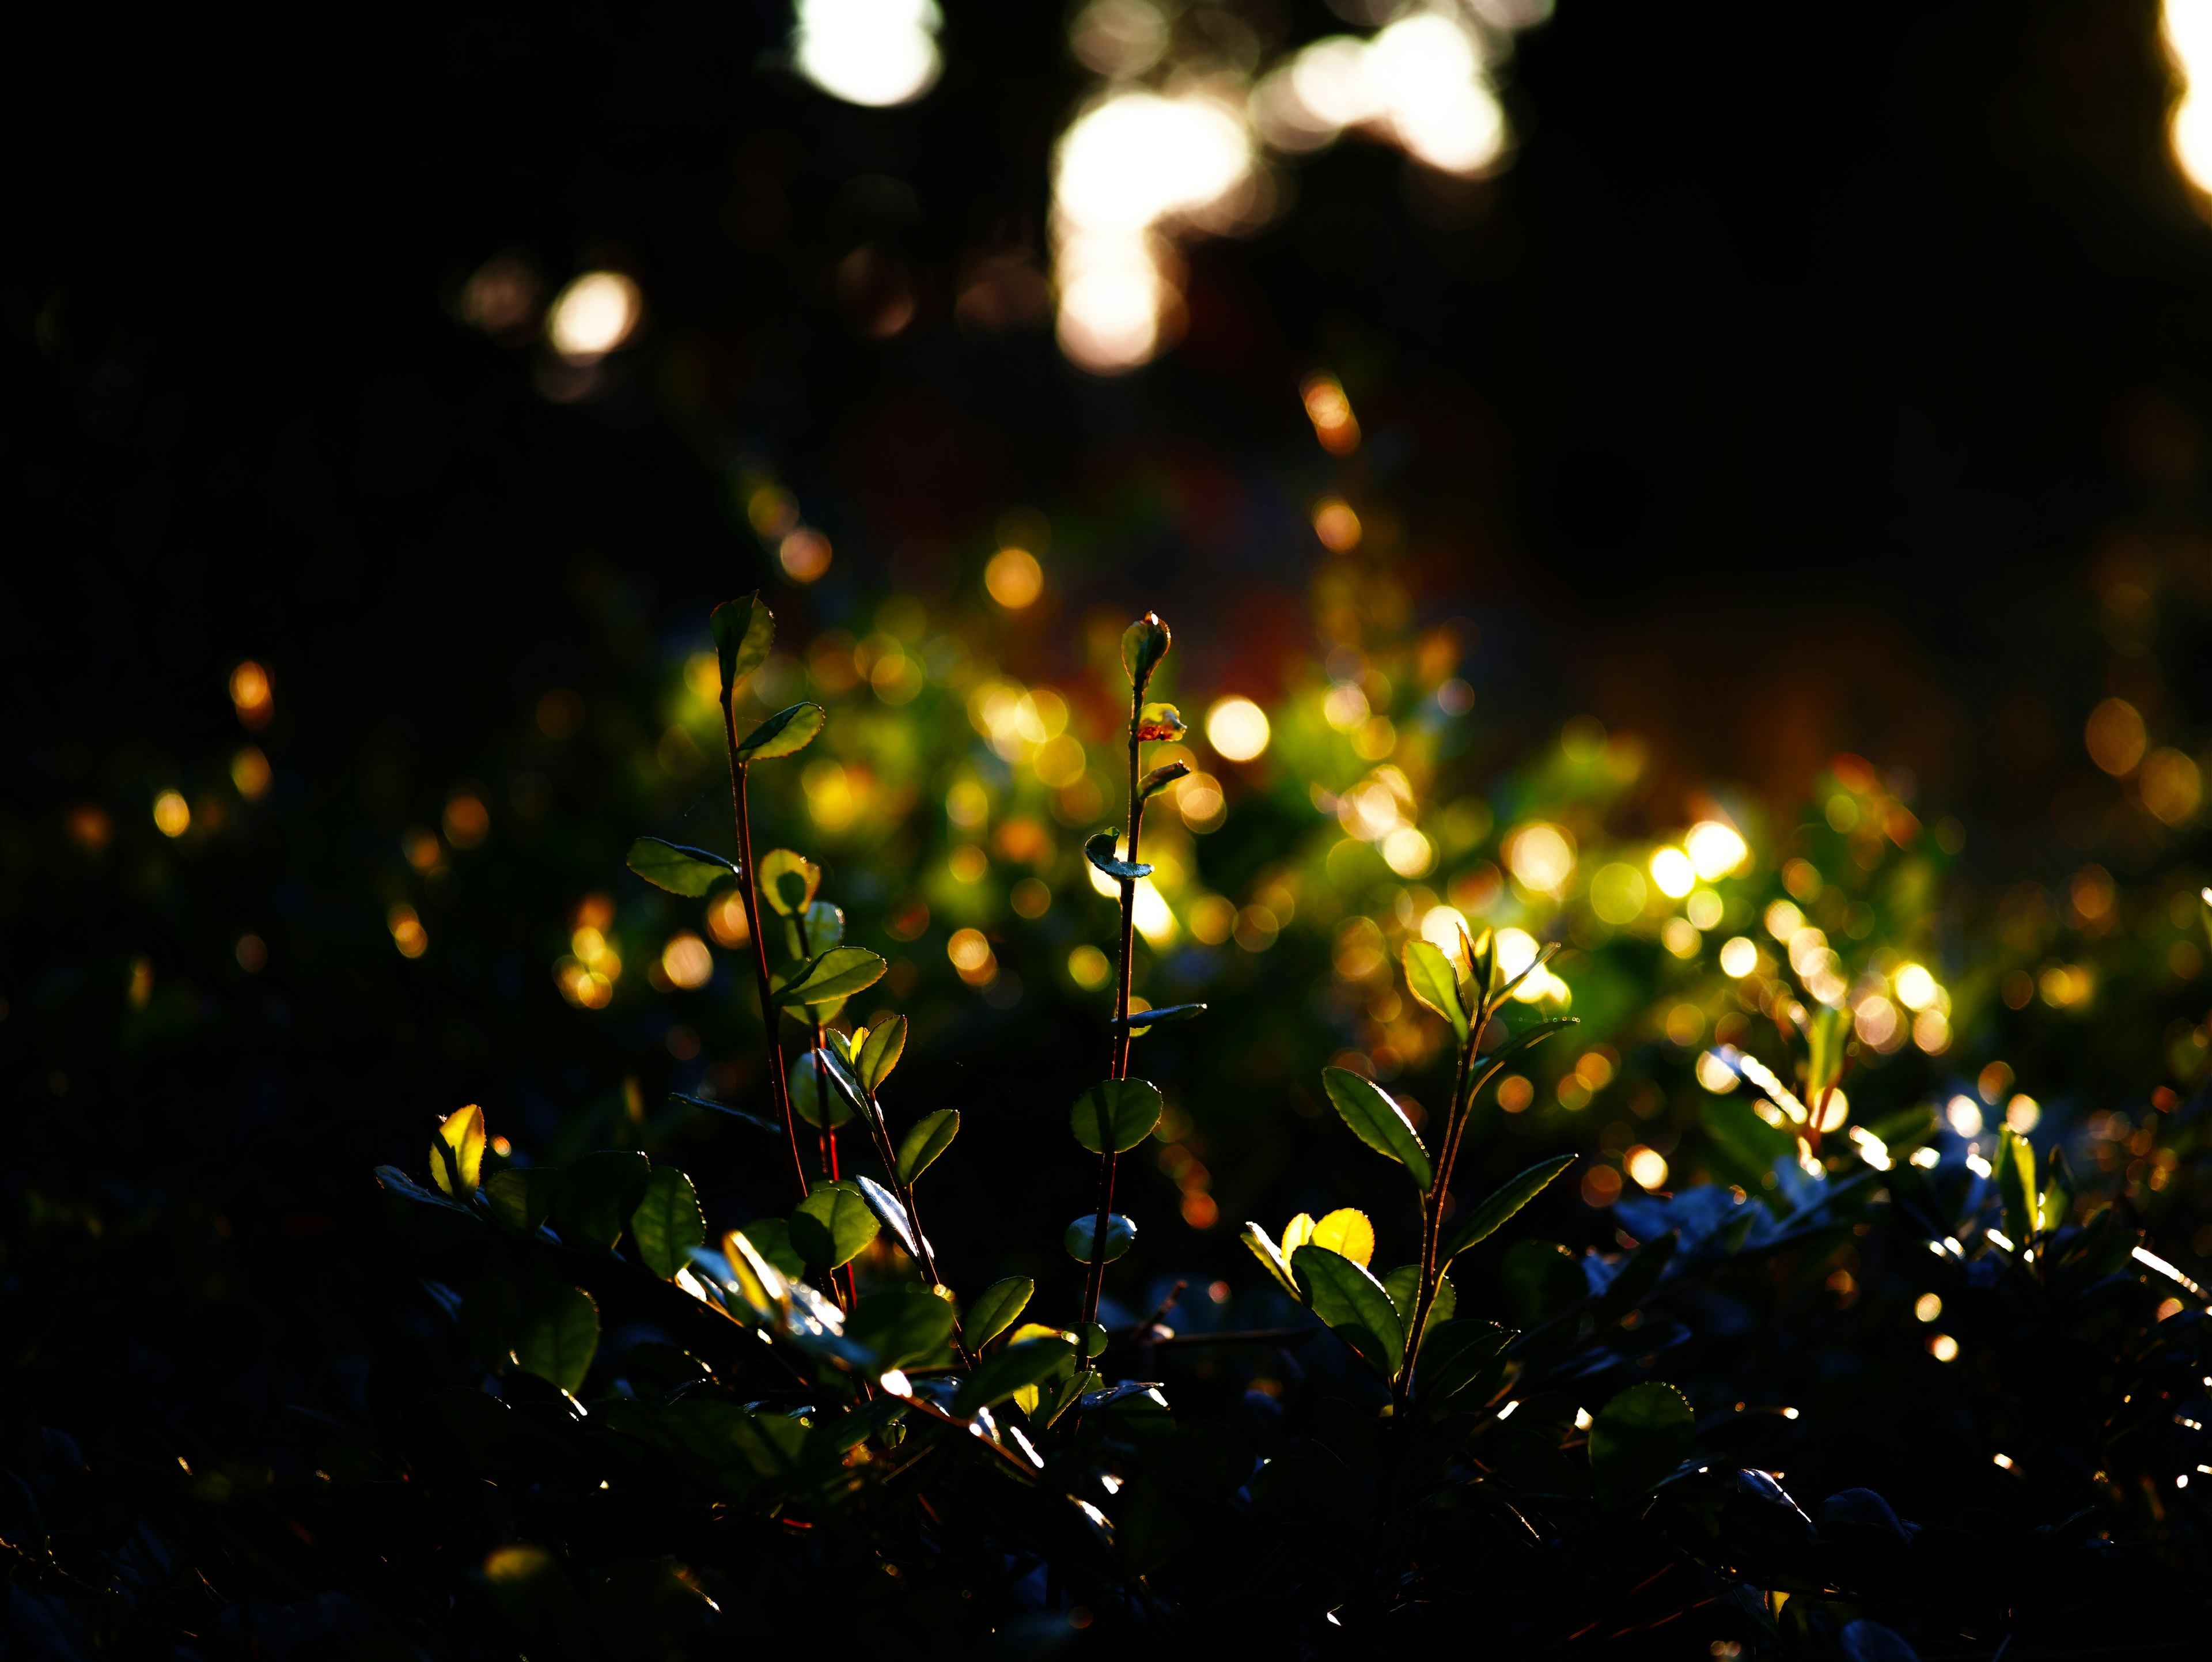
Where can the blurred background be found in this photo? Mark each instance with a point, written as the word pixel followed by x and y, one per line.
pixel 1719 489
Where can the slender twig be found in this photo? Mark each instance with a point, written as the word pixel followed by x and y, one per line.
pixel 769 1015
pixel 880 1131
pixel 1121 1036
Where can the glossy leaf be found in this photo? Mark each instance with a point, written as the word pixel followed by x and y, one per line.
pixel 1115 1115
pixel 1270 1254
pixel 890 1213
pixel 1160 778
pixel 995 1310
pixel 522 1197
pixel 744 631
pixel 789 881
pixel 679 870
pixel 597 1195
pixel 1120 1236
pixel 1638 1440
pixel 880 1053
pixel 1346 1233
pixel 1100 852
pixel 784 733
pixel 758 1122
pixel 901 1324
pixel 931 1136
pixel 1139 1021
pixel 457 1152
pixel 1433 983
pixel 1504 1202
pixel 1026 1362
pixel 557 1335
pixel 838 973
pixel 667 1223
pixel 832 1226
pixel 1143 644
pixel 1377 1121
pixel 1353 1305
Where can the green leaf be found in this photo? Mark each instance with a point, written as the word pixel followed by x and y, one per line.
pixel 457 1152
pixel 1535 1033
pixel 2013 1171
pixel 557 1335
pixel 890 1213
pixel 771 1238
pixel 816 930
pixel 679 870
pixel 931 1136
pixel 1160 778
pixel 1432 981
pixel 522 1197
pixel 1638 1440
pixel 1509 1198
pixel 744 631
pixel 597 1195
pixel 1099 851
pixel 880 1052
pixel 789 881
pixel 838 973
pixel 527 1584
pixel 1377 1121
pixel 784 733
pixel 1354 1307
pixel 1503 991
pixel 1403 1284
pixel 813 1084
pixel 1120 1236
pixel 1827 1031
pixel 1115 1115
pixel 901 1324
pixel 994 1310
pixel 1540 1280
pixel 1030 1362
pixel 2057 1193
pixel 758 1122
pixel 1143 644
pixel 1461 1358
pixel 1264 1249
pixel 832 1226
pixel 667 1223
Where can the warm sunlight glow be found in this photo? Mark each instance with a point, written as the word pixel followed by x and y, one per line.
pixel 1014 578
pixel 593 315
pixel 1236 729
pixel 874 52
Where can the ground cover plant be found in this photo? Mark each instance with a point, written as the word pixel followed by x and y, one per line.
pixel 1880 1355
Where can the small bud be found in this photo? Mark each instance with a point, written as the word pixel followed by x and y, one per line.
pixel 1160 722
pixel 1143 644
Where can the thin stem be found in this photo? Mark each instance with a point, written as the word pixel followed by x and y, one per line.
pixel 1122 1032
pixel 769 1012
pixel 880 1131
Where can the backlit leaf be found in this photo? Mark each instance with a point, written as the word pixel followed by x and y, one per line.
pixel 1377 1121
pixel 679 870
pixel 1160 722
pixel 1264 1249
pixel 931 1136
pixel 880 1052
pixel 1115 1115
pixel 1143 644
pixel 1026 1362
pixel 1120 1235
pixel 1432 981
pixel 1346 1233
pixel 744 631
pixel 814 1087
pixel 1354 1307
pixel 457 1154
pixel 1403 1284
pixel 557 1335
pixel 1638 1440
pixel 890 1213
pixel 901 1324
pixel 838 973
pixel 832 1226
pixel 783 734
pixel 667 1223
pixel 815 930
pixel 771 1238
pixel 994 1310
pixel 789 881
pixel 1507 1199
pixel 1536 1033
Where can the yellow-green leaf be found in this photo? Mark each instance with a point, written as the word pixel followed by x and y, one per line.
pixel 1346 1233
pixel 1433 983
pixel 783 734
pixel 744 631
pixel 457 1154
pixel 1377 1121
pixel 789 881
